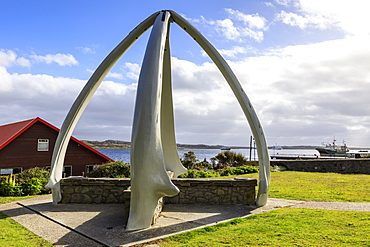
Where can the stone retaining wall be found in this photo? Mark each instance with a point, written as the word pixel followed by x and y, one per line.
pixel 360 166
pixel 214 191
pixel 115 190
pixel 95 190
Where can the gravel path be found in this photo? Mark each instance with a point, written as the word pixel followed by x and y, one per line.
pixel 348 206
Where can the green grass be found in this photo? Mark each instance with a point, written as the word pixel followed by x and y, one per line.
pixel 295 227
pixel 6 199
pixel 283 227
pixel 317 186
pixel 14 234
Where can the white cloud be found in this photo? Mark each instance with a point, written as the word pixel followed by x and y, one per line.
pixel 87 49
pixel 61 59
pixel 238 26
pixel 226 27
pixel 9 58
pixel 315 89
pixel 329 14
pixel 24 62
pixel 6 84
pixel 236 50
pixel 115 75
pixel 252 21
pixel 287 2
pixel 132 70
pixel 269 4
pixel 305 21
pixel 24 96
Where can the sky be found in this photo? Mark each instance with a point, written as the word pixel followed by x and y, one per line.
pixel 304 64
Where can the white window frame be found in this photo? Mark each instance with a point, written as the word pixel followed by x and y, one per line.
pixel 43 145
pixel 8 171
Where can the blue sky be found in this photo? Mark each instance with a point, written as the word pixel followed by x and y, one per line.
pixel 303 63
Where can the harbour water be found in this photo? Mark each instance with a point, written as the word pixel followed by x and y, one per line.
pixel 201 154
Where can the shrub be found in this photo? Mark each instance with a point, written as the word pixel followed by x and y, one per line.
pixel 3 179
pixel 239 170
pixel 202 165
pixel 32 187
pixel 26 180
pixel 117 169
pixel 229 158
pixel 199 174
pixel 7 189
pixel 188 174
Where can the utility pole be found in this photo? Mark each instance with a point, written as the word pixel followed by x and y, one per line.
pixel 250 149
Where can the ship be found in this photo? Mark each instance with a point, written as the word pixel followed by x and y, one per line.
pixel 333 150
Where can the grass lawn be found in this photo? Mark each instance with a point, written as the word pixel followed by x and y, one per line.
pixel 283 227
pixel 6 199
pixel 295 227
pixel 14 234
pixel 333 187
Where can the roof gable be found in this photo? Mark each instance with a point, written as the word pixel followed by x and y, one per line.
pixel 9 132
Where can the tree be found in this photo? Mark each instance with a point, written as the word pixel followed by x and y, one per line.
pixel 229 158
pixel 189 160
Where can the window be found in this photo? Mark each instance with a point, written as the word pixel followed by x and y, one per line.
pixel 89 168
pixel 67 171
pixel 7 171
pixel 43 145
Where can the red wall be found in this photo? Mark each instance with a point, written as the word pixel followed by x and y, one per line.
pixel 22 152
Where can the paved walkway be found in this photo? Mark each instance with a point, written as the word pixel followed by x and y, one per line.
pixel 93 225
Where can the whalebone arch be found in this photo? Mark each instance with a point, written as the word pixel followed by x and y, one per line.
pixel 153 151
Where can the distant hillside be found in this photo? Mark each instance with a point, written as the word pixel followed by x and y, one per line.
pixel 115 144
pixel 204 146
pixel 108 144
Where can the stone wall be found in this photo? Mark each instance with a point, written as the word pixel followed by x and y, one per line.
pixel 214 191
pixel 95 190
pixel 116 190
pixel 360 166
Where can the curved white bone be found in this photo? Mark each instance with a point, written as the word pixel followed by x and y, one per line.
pixel 171 155
pixel 149 179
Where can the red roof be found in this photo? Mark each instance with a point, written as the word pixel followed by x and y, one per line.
pixel 9 132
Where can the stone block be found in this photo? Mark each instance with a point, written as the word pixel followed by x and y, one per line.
pixel 87 199
pixel 77 198
pixel 85 190
pixel 98 190
pixel 220 192
pixel 66 198
pixel 208 195
pixel 98 199
pixel 214 200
